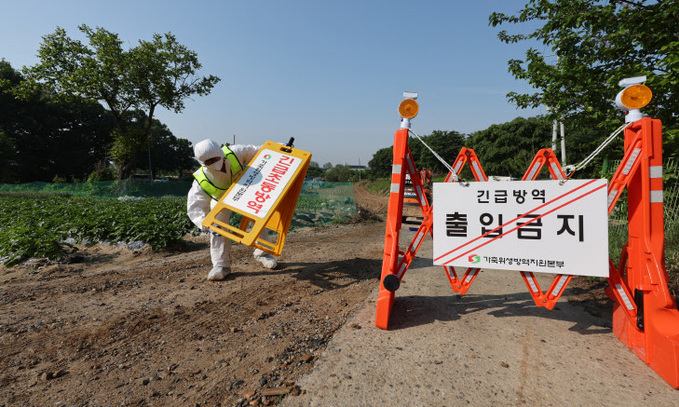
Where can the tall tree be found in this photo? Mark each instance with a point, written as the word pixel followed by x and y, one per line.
pixel 507 149
pixel 44 139
pixel 588 47
pixel 380 163
pixel 160 72
pixel 168 153
pixel 445 143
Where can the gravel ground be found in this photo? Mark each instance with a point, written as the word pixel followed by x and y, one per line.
pixel 491 347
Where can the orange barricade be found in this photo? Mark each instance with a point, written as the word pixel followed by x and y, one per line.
pixel 645 316
pixel 393 268
pixel 465 156
pixel 548 299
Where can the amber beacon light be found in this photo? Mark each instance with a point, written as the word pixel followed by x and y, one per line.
pixel 408 108
pixel 633 97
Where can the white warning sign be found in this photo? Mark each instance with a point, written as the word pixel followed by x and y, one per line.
pixel 539 226
pixel 265 179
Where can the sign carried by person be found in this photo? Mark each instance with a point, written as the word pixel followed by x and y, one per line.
pixel 265 195
pixel 540 226
pixel 263 183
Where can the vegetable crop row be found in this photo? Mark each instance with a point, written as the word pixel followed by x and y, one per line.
pixel 40 227
pixel 42 224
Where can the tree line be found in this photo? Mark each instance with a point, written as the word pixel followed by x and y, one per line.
pixel 584 48
pixel 44 138
pixel 507 149
pixel 53 124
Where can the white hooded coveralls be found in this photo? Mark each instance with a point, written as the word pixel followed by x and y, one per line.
pixel 199 203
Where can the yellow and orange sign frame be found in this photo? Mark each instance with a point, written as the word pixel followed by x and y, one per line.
pixel 265 195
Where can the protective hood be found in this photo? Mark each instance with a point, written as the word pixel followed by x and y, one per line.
pixel 206 149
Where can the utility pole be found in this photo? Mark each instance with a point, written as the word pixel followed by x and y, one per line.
pixel 148 146
pixel 554 127
pixel 563 145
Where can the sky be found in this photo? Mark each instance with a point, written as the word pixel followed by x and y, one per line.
pixel 328 73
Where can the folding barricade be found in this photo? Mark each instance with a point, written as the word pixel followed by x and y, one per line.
pixel 265 195
pixel 645 316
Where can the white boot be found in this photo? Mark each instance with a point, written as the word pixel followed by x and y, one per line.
pixel 265 258
pixel 218 273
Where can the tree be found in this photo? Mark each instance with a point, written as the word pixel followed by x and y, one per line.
pixel 45 138
pixel 6 159
pixel 80 136
pixel 446 144
pixel 169 154
pixel 160 149
pixel 341 173
pixel 160 72
pixel 8 79
pixel 507 149
pixel 315 171
pixel 589 47
pixel 380 163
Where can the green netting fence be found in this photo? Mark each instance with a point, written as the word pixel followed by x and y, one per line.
pixel 324 202
pixel 319 202
pixel 109 189
pixel 617 221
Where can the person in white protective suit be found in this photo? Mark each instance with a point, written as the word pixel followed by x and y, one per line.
pixel 219 165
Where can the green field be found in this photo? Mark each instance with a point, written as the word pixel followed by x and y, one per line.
pixel 44 226
pixel 41 224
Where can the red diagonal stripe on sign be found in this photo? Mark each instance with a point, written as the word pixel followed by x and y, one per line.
pixel 520 217
pixel 526 223
pixel 517 218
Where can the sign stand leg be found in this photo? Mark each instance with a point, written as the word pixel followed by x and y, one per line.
pixel 645 315
pixel 393 267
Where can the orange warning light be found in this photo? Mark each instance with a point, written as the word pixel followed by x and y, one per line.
pixel 635 96
pixel 408 108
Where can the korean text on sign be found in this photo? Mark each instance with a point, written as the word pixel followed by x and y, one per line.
pixel 542 226
pixel 262 184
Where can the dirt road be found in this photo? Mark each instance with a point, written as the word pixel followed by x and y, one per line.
pixel 118 327
pixel 491 347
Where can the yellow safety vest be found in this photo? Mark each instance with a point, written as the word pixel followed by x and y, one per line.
pixel 210 188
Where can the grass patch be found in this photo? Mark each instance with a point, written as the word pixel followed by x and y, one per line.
pixel 378 187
